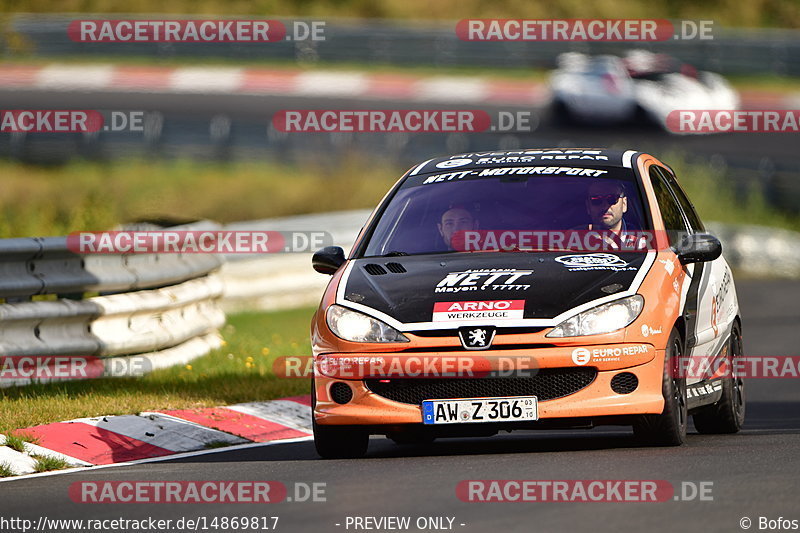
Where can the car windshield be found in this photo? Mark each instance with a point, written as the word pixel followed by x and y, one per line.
pixel 426 210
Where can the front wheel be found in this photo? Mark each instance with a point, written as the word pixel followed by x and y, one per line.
pixel 340 442
pixel 337 442
pixel 727 415
pixel 668 428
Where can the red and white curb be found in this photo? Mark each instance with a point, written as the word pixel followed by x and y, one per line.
pixel 124 438
pixel 316 83
pixel 256 81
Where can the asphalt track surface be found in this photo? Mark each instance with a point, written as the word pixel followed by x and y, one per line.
pixel 754 473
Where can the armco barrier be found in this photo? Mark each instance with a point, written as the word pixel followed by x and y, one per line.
pixel 280 281
pixel 161 308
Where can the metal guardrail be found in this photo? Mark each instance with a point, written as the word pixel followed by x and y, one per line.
pixel 760 251
pixel 281 281
pixel 162 308
pixel 732 51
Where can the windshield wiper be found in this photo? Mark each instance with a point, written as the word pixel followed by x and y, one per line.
pixel 394 253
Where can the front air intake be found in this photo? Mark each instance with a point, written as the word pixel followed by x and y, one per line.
pixel 341 393
pixel 547 384
pixel 624 383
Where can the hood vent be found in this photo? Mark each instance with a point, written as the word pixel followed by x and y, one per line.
pixel 375 270
pixel 397 268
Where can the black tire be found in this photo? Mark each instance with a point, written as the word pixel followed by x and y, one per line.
pixel 668 428
pixel 727 415
pixel 337 442
pixel 340 442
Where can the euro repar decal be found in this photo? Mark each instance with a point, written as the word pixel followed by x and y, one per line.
pixel 605 354
pixel 523 156
pixel 487 279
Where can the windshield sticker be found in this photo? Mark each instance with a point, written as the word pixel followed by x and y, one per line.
pixel 454 163
pixel 529 155
pixel 518 171
pixel 570 171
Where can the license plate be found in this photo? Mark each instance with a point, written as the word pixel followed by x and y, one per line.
pixel 477 410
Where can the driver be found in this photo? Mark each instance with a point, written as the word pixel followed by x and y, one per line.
pixel 607 203
pixel 456 218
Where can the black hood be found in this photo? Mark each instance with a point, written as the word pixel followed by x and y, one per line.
pixel 550 283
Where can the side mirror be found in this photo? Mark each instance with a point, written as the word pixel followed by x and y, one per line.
pixel 328 260
pixel 699 248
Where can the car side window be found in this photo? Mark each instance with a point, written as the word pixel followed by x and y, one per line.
pixel 686 204
pixel 670 210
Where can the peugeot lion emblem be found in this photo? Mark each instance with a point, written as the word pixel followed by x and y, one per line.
pixel 476 337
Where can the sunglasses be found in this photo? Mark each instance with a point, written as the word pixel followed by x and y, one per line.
pixel 607 199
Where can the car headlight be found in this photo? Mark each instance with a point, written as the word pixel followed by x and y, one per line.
pixel 601 319
pixel 357 327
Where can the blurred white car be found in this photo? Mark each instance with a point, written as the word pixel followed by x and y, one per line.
pixel 609 89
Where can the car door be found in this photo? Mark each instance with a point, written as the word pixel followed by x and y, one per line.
pixel 707 289
pixel 718 304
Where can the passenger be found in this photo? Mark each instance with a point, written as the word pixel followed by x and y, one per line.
pixel 456 218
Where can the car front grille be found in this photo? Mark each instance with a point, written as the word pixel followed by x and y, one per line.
pixel 547 384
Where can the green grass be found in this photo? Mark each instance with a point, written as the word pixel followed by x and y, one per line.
pixel 239 372
pixel 716 199
pixel 5 469
pixel 46 463
pixel 16 441
pixel 95 196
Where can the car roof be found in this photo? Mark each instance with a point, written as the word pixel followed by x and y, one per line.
pixel 573 157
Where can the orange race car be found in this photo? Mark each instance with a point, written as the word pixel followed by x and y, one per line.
pixel 543 288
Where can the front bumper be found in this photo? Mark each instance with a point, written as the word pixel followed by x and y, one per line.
pixel 368 408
